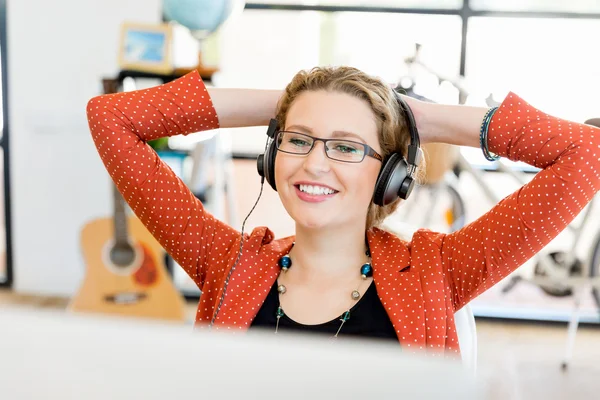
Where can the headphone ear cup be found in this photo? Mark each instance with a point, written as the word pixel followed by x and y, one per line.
pixel 260 165
pixel 406 188
pixel 269 165
pixel 391 180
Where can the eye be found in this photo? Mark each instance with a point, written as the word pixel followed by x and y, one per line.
pixel 296 141
pixel 345 148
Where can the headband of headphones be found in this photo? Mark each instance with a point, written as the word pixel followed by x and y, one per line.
pixel 414 148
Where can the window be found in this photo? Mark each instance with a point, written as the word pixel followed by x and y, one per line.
pixel 264 49
pixel 546 61
pixel 442 4
pixel 578 6
pixel 379 43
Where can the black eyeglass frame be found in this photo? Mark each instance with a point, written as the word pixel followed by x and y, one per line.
pixel 367 152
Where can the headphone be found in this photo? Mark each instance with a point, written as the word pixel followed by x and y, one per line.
pixel 396 177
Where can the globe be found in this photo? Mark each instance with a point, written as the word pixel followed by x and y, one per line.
pixel 202 17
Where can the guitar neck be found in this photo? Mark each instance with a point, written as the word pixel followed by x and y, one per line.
pixel 111 86
pixel 120 218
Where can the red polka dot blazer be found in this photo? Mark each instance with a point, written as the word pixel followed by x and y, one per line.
pixel 421 283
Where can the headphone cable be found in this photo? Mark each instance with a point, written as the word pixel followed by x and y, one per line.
pixel 222 299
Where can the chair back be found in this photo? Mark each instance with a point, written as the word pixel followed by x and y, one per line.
pixel 467 336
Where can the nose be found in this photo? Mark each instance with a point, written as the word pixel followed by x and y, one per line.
pixel 316 161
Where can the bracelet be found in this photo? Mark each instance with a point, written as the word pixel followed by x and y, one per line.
pixel 483 137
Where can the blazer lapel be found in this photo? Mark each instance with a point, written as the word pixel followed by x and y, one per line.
pixel 399 287
pixel 252 279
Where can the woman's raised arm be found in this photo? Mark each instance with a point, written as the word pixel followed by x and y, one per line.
pixel 122 123
pixel 568 153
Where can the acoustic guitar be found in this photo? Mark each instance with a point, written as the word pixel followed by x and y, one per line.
pixel 125 271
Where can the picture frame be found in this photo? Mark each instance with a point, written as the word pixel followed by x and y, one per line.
pixel 146 47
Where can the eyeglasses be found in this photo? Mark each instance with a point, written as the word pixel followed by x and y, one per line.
pixel 335 149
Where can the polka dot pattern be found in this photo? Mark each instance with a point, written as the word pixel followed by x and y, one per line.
pixel 421 283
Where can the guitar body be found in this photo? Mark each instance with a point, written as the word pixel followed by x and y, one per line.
pixel 143 288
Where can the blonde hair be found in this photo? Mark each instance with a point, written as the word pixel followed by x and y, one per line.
pixel 391 126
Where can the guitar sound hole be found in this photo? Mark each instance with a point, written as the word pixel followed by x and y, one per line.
pixel 122 255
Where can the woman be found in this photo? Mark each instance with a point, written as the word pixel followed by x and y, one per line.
pixel 340 274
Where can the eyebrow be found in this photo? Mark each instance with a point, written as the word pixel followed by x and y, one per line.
pixel 334 134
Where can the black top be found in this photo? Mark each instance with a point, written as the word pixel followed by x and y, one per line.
pixel 368 319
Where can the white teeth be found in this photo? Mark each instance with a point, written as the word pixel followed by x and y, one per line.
pixel 317 190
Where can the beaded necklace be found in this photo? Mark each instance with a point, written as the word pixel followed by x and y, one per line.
pixel 285 263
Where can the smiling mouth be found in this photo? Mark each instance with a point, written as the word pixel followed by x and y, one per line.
pixel 313 190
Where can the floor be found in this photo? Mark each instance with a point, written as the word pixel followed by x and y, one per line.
pixel 523 361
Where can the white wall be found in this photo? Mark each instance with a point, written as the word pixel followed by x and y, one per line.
pixel 58 51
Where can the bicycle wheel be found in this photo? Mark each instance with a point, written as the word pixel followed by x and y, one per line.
pixel 456 215
pixel 559 265
pixel 595 267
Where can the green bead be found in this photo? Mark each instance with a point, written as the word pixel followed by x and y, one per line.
pixel 280 312
pixel 285 262
pixel 366 270
pixel 345 316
